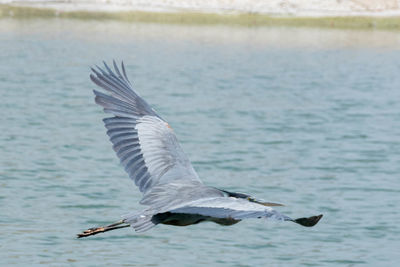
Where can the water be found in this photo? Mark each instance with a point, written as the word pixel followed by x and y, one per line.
pixel 309 118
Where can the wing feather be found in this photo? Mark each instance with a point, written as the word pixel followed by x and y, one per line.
pixel 145 144
pixel 229 207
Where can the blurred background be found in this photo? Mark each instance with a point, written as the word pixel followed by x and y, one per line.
pixel 277 99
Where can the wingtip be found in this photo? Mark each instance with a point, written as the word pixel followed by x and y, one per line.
pixel 310 221
pixel 94 71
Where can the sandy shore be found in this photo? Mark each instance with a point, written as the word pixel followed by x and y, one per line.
pixel 343 14
pixel 301 8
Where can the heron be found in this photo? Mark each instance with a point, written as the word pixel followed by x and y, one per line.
pixel 148 149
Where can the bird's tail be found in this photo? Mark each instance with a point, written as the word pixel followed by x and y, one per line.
pixel 141 222
pixel 102 229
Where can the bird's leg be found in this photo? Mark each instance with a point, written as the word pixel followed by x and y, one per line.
pixel 102 229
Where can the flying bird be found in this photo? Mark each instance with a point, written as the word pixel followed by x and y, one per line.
pixel 148 149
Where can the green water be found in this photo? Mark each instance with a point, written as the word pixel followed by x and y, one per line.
pixel 309 118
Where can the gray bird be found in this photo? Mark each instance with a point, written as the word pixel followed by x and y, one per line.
pixel 151 155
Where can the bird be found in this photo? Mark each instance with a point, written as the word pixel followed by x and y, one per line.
pixel 148 149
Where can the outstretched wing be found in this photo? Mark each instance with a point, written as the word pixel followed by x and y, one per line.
pixel 238 209
pixel 145 144
pixel 229 207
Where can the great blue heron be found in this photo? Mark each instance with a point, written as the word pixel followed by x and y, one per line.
pixel 150 153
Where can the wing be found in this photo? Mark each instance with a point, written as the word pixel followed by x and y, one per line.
pixel 230 207
pixel 167 196
pixel 238 209
pixel 145 144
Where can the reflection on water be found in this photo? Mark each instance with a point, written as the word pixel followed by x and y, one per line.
pixel 305 117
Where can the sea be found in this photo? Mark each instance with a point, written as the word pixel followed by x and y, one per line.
pixel 306 117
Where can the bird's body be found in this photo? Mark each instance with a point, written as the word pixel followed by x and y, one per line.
pixel 150 153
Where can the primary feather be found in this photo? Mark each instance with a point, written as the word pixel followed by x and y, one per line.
pixel 145 144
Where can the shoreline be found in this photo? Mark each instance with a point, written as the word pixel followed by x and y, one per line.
pixel 285 8
pixel 119 13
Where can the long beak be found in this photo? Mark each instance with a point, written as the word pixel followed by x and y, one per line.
pixel 268 204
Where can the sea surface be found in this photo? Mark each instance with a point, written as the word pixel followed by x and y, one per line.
pixel 305 117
